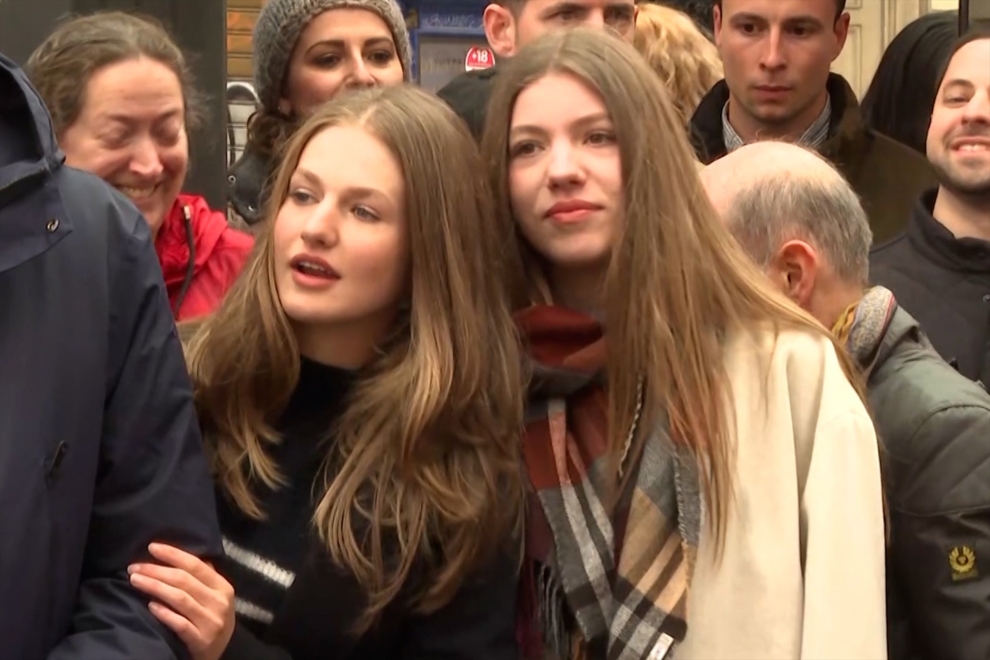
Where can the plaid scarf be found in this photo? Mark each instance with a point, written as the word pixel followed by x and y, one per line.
pixel 861 327
pixel 598 584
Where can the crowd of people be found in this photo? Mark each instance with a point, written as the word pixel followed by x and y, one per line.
pixel 649 342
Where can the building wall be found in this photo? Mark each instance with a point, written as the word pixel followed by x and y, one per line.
pixel 943 5
pixel 241 17
pixel 23 27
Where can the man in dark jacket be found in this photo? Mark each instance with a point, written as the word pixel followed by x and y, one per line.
pixel 939 269
pixel 100 452
pixel 804 226
pixel 512 24
pixel 777 55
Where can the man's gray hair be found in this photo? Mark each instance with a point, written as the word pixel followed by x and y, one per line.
pixel 825 212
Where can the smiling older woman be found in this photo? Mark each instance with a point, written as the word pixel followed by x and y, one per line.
pixel 122 102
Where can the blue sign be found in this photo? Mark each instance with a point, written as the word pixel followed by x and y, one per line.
pixel 439 30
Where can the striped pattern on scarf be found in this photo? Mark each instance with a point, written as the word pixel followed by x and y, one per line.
pixel 861 327
pixel 610 584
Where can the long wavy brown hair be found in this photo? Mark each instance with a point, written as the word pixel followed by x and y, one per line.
pixel 425 475
pixel 677 281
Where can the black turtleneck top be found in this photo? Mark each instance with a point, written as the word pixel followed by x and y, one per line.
pixel 294 603
pixel 264 556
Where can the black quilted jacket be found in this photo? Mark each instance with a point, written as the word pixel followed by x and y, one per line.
pixel 944 283
pixel 934 428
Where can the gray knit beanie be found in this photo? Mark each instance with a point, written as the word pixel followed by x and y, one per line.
pixel 281 23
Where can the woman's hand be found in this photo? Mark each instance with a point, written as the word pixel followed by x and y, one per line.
pixel 200 602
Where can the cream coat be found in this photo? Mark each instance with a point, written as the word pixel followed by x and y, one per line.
pixel 802 574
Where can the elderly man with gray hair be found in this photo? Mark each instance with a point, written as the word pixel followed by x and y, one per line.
pixel 801 222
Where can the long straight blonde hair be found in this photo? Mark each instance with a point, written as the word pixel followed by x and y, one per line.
pixel 677 281
pixel 426 471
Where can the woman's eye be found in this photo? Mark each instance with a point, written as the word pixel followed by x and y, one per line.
pixel 169 136
pixel 115 140
pixel 382 57
pixel 601 137
pixel 301 197
pixel 522 149
pixel 364 213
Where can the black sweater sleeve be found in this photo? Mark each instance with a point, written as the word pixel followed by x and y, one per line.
pixel 244 645
pixel 478 624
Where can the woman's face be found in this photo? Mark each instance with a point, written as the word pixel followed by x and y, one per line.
pixel 131 133
pixel 340 50
pixel 341 240
pixel 565 173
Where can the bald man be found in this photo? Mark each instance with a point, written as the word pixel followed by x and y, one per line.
pixel 801 222
pixel 827 271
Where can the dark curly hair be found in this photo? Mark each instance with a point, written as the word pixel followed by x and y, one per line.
pixel 268 132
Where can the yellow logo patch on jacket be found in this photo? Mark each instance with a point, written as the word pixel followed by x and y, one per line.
pixel 962 561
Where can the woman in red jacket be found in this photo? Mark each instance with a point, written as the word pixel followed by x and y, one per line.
pixel 122 100
pixel 200 254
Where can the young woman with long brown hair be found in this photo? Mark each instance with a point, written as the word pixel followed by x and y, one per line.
pixel 729 457
pixel 359 392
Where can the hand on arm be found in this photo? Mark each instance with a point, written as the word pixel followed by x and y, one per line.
pixel 191 598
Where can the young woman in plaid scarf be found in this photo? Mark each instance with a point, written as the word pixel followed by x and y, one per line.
pixel 689 431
